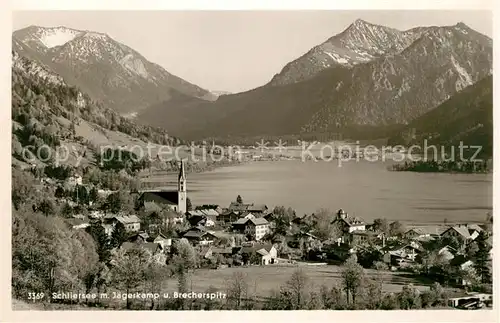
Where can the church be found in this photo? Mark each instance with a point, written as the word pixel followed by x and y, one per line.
pixel 174 199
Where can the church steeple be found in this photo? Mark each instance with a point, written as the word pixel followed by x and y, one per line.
pixel 182 189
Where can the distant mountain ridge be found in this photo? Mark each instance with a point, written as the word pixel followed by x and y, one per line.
pixel 398 77
pixel 109 71
pixel 359 43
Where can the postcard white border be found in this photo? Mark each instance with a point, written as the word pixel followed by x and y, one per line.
pixel 218 316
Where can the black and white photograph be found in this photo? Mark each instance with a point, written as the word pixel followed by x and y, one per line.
pixel 271 160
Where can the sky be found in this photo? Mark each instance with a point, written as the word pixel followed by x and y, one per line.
pixel 235 50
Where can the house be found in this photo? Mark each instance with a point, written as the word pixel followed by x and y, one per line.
pixel 78 223
pixel 401 254
pixel 255 228
pixel 447 252
pixel 210 207
pixel 205 251
pixel 238 207
pixel 176 200
pixel 228 217
pixel 197 219
pixel 261 254
pixel 202 217
pixel 349 224
pixel 464 231
pixel 74 180
pixel 155 250
pixel 96 214
pixel 199 236
pixel 139 238
pixel 415 233
pixel 163 241
pixel 461 264
pixel 132 223
pixel 226 252
pixel 258 209
pixel 474 230
pixel 305 219
pixel 361 237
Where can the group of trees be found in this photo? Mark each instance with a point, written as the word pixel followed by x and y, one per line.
pixel 120 159
pixel 355 290
pixel 431 166
pixel 44 100
pixel 47 256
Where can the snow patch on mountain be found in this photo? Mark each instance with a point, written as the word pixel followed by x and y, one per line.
pixel 337 58
pixel 464 78
pixel 53 37
pixel 134 65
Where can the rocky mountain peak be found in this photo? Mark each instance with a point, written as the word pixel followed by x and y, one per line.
pixel 106 69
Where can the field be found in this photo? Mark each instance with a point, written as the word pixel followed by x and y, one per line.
pixel 263 279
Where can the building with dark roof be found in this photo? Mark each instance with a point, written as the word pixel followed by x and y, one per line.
pixel 174 199
pixel 348 223
pixel 254 228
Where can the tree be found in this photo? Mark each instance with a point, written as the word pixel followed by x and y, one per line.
pixel 409 298
pixel 352 277
pixel 472 249
pixel 389 302
pixel 46 207
pixel 184 254
pixel 435 296
pixel 129 269
pixel 93 195
pixel 332 298
pixel 118 236
pixel 482 258
pixel 282 219
pixel 239 200
pixel 80 195
pixel 396 229
pixel 488 223
pixel 373 293
pixel 155 275
pixel 381 225
pixel 189 205
pixel 113 203
pixel 238 289
pixel 297 287
pixel 66 210
pixel 60 193
pixel 101 239
pixel 323 227
pixel 184 258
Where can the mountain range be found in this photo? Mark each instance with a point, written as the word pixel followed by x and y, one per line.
pixel 465 118
pixel 366 82
pixel 365 79
pixel 106 69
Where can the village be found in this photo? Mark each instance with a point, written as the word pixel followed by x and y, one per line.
pixel 246 234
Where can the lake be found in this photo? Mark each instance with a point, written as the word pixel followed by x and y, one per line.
pixel 365 189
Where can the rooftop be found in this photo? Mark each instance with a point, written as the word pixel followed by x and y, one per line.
pixel 163 197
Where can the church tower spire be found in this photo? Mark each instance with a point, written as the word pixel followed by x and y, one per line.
pixel 182 189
